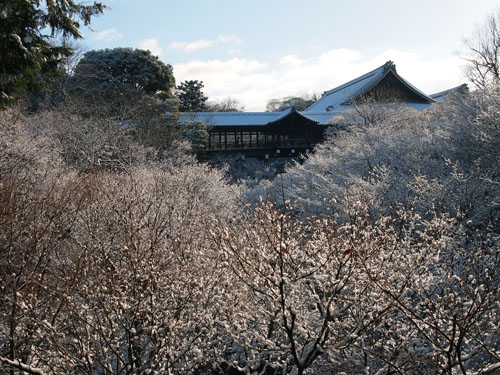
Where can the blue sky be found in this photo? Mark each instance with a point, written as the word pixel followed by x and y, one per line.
pixel 257 50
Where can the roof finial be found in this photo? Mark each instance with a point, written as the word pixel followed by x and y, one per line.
pixel 389 65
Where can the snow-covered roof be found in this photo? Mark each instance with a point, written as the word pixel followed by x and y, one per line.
pixel 322 118
pixel 439 96
pixel 231 118
pixel 288 112
pixel 332 99
pixel 252 118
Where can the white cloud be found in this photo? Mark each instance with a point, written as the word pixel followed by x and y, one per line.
pixel 193 46
pixel 204 43
pixel 254 82
pixel 151 45
pixel 233 39
pixel 290 60
pixel 108 35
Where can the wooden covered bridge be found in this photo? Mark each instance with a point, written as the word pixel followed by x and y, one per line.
pixel 261 134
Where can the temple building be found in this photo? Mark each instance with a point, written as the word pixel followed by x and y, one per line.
pixel 290 133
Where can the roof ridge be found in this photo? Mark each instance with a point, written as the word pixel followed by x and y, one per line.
pixel 355 80
pixel 232 113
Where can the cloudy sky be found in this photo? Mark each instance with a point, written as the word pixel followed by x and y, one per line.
pixel 258 50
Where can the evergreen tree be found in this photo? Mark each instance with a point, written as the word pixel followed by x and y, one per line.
pixel 113 72
pixel 131 87
pixel 27 45
pixel 191 96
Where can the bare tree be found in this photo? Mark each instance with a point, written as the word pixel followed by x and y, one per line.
pixel 225 105
pixel 299 102
pixel 483 55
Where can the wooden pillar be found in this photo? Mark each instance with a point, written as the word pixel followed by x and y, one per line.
pixel 257 140
pixel 250 140
pixel 209 140
pixel 225 139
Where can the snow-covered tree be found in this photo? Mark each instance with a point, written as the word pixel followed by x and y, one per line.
pixel 442 160
pixel 371 295
pixel 113 72
pixel 106 272
pixel 437 169
pixel 446 320
pixel 27 41
pixel 301 290
pixel 144 304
